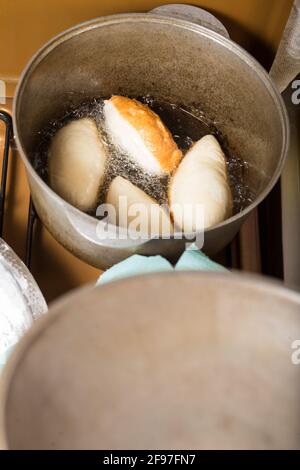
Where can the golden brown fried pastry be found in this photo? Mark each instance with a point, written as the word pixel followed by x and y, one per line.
pixel 141 134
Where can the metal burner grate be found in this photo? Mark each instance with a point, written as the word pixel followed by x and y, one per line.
pixel 32 215
pixel 6 118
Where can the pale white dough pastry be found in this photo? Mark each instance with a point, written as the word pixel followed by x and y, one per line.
pixel 141 134
pixel 76 162
pixel 136 205
pixel 201 180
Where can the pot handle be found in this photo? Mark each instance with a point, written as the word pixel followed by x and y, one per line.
pixel 100 233
pixel 286 65
pixel 194 15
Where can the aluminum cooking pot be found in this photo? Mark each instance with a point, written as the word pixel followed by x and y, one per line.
pixel 168 58
pixel 189 361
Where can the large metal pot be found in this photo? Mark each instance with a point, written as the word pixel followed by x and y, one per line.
pixel 189 361
pixel 168 58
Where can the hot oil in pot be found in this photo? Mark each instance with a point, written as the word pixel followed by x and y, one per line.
pixel 187 126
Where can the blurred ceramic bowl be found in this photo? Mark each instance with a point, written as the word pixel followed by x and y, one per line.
pixel 175 360
pixel 21 300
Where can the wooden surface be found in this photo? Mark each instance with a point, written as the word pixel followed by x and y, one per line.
pixel 26 25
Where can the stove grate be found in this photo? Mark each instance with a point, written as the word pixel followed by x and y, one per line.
pixel 32 215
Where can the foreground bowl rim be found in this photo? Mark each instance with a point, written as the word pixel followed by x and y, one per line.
pixel 183 24
pixel 273 287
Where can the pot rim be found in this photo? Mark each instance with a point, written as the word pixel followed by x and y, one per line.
pixel 153 18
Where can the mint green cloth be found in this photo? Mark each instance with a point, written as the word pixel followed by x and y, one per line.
pixel 194 260
pixel 191 260
pixel 134 266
